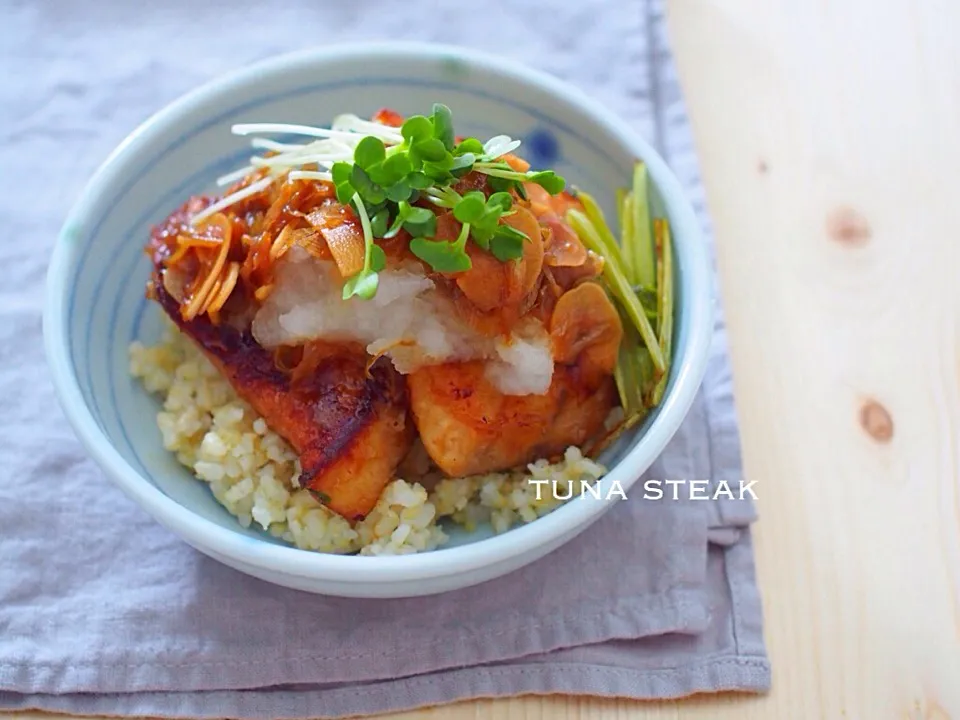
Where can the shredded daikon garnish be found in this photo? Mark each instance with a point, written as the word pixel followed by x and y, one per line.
pixel 337 145
pixel 259 143
pixel 308 130
pixel 309 175
pixel 294 160
pixel 499 145
pixel 232 177
pixel 252 189
pixel 356 124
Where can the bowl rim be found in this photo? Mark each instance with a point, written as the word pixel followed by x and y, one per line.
pixel 575 515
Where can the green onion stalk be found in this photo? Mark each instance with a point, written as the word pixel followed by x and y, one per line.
pixel 638 272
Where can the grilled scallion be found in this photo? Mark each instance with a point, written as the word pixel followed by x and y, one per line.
pixel 638 271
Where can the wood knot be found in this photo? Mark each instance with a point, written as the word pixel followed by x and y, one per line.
pixel 876 421
pixel 848 227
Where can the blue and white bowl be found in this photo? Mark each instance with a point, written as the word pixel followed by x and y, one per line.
pixel 96 306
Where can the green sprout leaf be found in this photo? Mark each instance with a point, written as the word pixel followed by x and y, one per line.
pixel 443 125
pixel 369 151
pixel 378 258
pixel 341 172
pixel 443 196
pixel 415 220
pixel 398 166
pixel 420 222
pixel 431 149
pixel 419 214
pixel 487 222
pixel 345 191
pixel 469 145
pixel 364 285
pixel 470 208
pixel 507 243
pixel 378 223
pixel 446 162
pixel 502 200
pixel 437 173
pixel 504 185
pixel 418 181
pixel 481 236
pixel 548 180
pixel 402 209
pixel 442 256
pixel 379 175
pixel 365 187
pixel 462 164
pixel 399 192
pixel 416 127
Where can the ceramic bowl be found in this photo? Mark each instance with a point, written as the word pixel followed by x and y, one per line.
pixel 96 305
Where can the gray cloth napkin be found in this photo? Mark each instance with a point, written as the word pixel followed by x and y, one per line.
pixel 102 611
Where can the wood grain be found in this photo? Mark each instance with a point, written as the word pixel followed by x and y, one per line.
pixel 829 135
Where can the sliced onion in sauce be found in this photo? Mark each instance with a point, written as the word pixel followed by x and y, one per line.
pixel 282 242
pixel 343 236
pixel 562 248
pixel 312 241
pixel 568 277
pixel 226 287
pixel 188 241
pixel 586 329
pixel 176 283
pixel 516 163
pixel 200 296
pixel 491 284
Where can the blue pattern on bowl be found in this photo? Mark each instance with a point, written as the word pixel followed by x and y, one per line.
pixel 541 148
